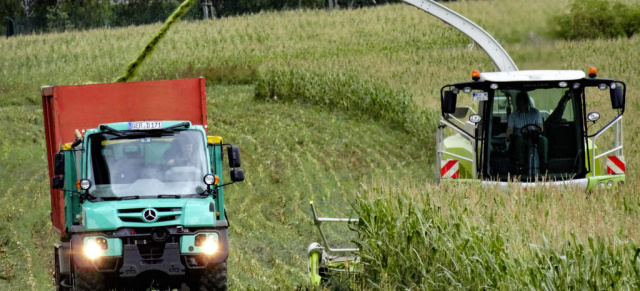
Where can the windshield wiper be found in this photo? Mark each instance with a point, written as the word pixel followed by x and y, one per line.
pixel 169 196
pixel 171 128
pixel 119 198
pixel 136 133
pixel 129 197
pixel 112 130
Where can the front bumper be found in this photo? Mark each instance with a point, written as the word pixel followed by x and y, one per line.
pixel 140 253
pixel 589 183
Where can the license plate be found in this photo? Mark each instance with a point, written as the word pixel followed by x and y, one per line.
pixel 145 125
pixel 480 96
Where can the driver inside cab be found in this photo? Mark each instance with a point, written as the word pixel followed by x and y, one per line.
pixel 525 114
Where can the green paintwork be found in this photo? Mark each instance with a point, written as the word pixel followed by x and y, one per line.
pixel 597 168
pixel 114 246
pixel 104 215
pixel 187 241
pixel 314 269
pixel 71 201
pixel 195 212
pixel 461 181
pixel 595 181
pixel 215 151
pixel 458 145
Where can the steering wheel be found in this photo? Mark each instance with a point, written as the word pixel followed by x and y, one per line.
pixel 530 129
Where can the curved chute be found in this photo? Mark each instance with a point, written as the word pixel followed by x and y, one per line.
pixel 498 55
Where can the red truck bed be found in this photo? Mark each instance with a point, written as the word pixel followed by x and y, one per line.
pixel 67 108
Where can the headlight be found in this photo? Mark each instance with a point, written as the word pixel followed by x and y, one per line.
pixel 83 184
pixel 210 179
pixel 208 242
pixel 210 245
pixel 94 247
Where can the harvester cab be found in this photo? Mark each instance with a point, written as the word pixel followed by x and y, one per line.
pixel 530 126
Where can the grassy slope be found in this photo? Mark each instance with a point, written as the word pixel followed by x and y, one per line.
pixel 293 153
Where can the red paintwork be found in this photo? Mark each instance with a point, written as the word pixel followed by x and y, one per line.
pixel 67 108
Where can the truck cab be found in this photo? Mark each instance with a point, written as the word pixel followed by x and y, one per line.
pixel 142 204
pixel 491 142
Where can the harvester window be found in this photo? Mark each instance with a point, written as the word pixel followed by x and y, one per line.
pixel 557 154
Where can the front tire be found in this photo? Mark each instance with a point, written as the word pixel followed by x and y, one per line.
pixel 211 278
pixel 59 279
pixel 88 280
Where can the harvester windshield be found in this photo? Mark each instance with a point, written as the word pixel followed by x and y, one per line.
pixel 147 164
pixel 541 118
pixel 532 125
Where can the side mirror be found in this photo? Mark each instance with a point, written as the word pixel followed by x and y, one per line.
pixel 449 102
pixel 57 182
pixel 617 97
pixel 237 175
pixel 58 164
pixel 233 152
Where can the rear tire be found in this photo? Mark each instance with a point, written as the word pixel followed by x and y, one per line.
pixel 211 278
pixel 88 280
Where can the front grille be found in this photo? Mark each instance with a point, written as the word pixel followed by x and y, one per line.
pixel 135 215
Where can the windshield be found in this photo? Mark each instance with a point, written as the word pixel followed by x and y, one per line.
pixel 147 164
pixel 535 133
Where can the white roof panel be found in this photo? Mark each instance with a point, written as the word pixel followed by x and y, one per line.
pixel 534 75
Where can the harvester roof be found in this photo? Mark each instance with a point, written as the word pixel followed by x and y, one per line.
pixel 532 75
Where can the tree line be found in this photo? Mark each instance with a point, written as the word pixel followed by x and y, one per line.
pixel 36 16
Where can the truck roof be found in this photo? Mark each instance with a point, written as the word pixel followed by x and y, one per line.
pixel 532 75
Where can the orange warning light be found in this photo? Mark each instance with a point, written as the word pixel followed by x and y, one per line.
pixel 475 75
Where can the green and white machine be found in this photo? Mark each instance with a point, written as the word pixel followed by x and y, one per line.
pixel 471 140
pixel 480 151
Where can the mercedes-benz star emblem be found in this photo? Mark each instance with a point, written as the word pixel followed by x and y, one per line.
pixel 150 215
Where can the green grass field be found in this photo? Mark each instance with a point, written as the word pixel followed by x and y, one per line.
pixel 296 149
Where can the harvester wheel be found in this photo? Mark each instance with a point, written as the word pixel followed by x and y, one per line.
pixel 213 277
pixel 88 280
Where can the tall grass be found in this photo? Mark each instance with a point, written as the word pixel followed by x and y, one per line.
pixel 353 94
pixel 434 238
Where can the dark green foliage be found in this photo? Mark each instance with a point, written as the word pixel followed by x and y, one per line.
pixel 591 19
pixel 412 245
pixel 8 10
pixel 237 7
pixel 63 15
pixel 344 92
pixel 145 12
